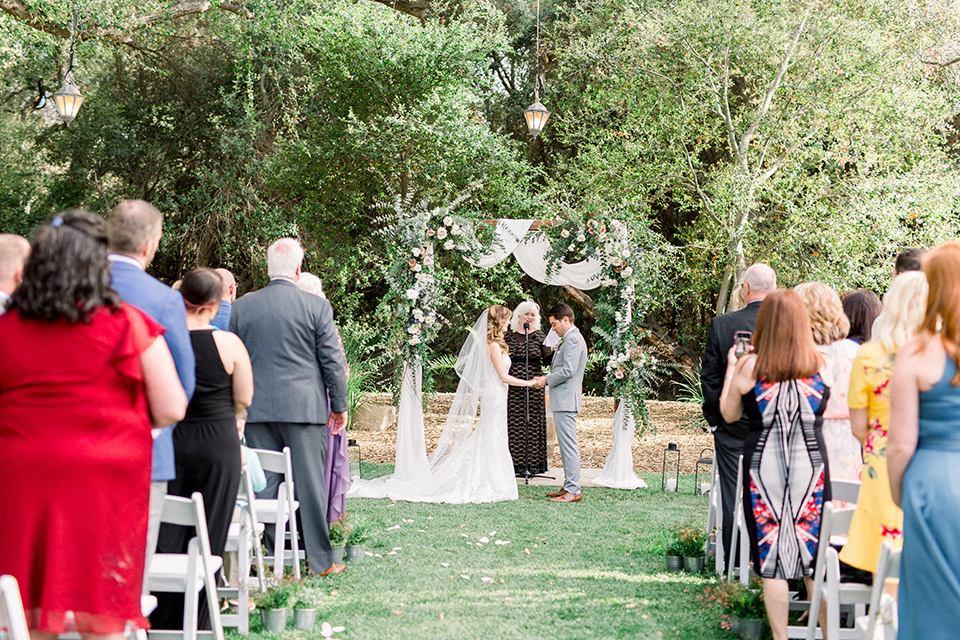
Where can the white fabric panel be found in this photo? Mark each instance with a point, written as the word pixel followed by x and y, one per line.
pixel 411 460
pixel 618 469
pixel 510 234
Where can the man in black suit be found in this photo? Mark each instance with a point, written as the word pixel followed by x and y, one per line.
pixel 758 281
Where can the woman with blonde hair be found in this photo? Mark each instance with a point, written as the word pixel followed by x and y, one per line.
pixel 923 456
pixel 471 462
pixel 783 388
pixel 528 443
pixel 877 518
pixel 829 327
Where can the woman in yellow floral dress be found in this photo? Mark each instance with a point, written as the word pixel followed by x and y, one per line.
pixel 877 518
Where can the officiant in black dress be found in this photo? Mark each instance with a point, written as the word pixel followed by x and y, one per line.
pixel 518 432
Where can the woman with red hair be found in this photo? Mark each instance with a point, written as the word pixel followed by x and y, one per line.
pixel 782 389
pixel 923 456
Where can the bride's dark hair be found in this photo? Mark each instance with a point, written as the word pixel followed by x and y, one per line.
pixel 497 318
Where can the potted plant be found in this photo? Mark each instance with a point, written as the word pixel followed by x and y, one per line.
pixel 747 606
pixel 356 536
pixel 723 594
pixel 304 613
pixel 338 537
pixel 273 608
pixel 691 542
pixel 675 556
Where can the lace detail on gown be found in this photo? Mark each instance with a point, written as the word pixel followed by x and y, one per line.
pixel 479 469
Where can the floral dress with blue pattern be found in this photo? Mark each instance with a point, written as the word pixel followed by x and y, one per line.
pixel 786 478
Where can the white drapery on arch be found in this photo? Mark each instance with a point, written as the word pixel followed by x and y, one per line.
pixel 530 251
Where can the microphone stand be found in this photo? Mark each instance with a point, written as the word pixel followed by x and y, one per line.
pixel 526 398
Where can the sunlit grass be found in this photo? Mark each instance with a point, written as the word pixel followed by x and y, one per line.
pixel 589 570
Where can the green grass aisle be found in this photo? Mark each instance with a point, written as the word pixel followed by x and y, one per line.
pixel 589 570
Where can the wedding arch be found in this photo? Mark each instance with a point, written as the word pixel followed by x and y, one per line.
pixel 600 252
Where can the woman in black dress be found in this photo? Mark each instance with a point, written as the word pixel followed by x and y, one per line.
pixel 539 355
pixel 206 442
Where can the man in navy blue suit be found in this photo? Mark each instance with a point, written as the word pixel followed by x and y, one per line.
pixel 133 232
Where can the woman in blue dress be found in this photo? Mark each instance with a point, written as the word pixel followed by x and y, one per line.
pixel 923 457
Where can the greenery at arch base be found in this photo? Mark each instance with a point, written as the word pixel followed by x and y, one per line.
pixel 422 241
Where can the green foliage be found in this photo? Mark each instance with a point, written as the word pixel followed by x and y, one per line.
pixel 736 600
pixel 689 540
pixel 357 535
pixel 339 531
pixel 367 357
pixel 278 597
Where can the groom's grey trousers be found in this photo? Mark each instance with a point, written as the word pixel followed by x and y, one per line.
pixel 566 425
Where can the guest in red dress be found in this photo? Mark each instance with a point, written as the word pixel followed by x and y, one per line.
pixel 83 378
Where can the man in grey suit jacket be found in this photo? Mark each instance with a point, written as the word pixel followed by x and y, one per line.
pixel 296 356
pixel 566 388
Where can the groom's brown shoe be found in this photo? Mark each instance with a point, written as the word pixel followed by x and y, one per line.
pixel 556 494
pixel 569 497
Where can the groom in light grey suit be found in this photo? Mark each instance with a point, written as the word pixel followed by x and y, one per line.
pixel 295 351
pixel 566 387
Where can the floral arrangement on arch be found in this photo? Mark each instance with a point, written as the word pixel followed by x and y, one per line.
pixel 632 370
pixel 414 234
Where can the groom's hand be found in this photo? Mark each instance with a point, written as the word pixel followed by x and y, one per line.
pixel 539 382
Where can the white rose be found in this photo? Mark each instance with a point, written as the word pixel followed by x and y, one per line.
pixel 448 244
pixel 415 252
pixel 455 229
pixel 414 341
pixel 627 272
pixel 418 315
pixel 430 319
pixel 581 238
pixel 441 233
pixel 412 294
pixel 413 329
pixel 565 233
pixel 417 267
pixel 448 221
pixel 427 260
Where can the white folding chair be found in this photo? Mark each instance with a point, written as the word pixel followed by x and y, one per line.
pixel 888 568
pixel 243 538
pixel 826 578
pixel 13 622
pixel 739 540
pixel 845 490
pixel 714 524
pixel 188 573
pixel 281 512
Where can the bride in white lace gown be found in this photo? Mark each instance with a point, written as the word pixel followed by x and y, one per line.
pixel 472 460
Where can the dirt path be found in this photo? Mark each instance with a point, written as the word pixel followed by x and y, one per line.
pixel 678 422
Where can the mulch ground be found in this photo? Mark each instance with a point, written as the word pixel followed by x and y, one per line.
pixel 678 422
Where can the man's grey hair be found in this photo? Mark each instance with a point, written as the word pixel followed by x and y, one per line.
pixel 131 225
pixel 516 324
pixel 284 257
pixel 311 284
pixel 14 250
pixel 760 277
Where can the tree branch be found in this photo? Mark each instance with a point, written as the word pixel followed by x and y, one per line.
pixel 775 84
pixel 20 11
pixel 416 8
pixel 940 64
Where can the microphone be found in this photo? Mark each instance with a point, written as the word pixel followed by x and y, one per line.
pixel 526 326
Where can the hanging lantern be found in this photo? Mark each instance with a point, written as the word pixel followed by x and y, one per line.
pixel 68 99
pixel 353 453
pixel 536 116
pixel 670 474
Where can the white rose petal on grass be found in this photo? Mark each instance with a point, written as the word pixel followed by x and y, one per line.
pixel 406 520
pixel 444 564
pixel 377 555
pixel 396 526
pixel 392 553
pixel 501 542
pixel 488 579
pixel 492 533
pixel 464 535
pixel 397 549
pixel 484 539
pixel 368 554
pixel 464 576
